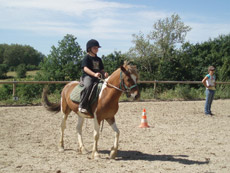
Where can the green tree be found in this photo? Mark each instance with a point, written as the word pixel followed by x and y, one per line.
pixel 225 69
pixel 3 71
pixel 156 54
pixel 167 33
pixel 113 61
pixel 144 55
pixel 15 54
pixel 31 56
pixel 64 61
pixel 198 57
pixel 3 47
pixel 12 55
pixel 21 71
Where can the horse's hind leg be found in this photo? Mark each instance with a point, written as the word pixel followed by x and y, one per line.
pixel 66 111
pixel 114 149
pixel 80 122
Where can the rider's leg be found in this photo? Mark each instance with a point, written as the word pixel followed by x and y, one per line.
pixel 88 81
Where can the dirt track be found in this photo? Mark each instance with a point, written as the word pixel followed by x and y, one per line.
pixel 181 139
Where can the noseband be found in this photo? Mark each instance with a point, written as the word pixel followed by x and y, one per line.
pixel 127 89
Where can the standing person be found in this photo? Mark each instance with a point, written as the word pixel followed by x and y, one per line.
pixel 209 82
pixel 93 69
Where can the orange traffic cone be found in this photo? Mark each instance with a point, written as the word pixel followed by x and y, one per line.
pixel 144 123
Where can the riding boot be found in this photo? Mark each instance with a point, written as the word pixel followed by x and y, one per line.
pixel 84 99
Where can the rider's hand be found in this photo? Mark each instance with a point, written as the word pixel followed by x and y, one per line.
pixel 106 74
pixel 97 75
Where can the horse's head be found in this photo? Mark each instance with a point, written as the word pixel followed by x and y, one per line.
pixel 129 78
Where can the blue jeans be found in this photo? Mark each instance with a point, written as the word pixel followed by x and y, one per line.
pixel 209 99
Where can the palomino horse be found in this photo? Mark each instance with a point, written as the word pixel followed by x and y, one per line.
pixel 124 79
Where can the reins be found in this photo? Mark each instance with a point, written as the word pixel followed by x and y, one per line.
pixel 112 85
pixel 127 89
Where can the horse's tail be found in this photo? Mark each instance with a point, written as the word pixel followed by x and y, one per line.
pixel 52 107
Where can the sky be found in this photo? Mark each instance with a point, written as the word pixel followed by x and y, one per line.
pixel 43 23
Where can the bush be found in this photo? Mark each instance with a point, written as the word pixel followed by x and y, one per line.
pixel 21 71
pixel 183 92
pixel 147 93
pixel 222 92
pixel 29 91
pixel 32 67
pixel 6 92
pixel 3 71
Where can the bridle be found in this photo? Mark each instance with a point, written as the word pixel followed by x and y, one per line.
pixel 122 85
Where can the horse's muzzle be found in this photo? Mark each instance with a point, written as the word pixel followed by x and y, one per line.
pixel 135 95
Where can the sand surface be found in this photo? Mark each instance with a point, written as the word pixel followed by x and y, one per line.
pixel 180 139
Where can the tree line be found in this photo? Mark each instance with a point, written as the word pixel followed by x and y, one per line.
pixel 18 57
pixel 162 54
pixel 189 62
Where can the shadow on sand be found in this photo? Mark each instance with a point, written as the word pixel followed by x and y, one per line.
pixel 137 155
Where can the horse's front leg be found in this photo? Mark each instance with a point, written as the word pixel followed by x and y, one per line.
pixel 114 149
pixel 95 154
pixel 80 122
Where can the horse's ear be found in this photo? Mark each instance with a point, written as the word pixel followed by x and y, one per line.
pixel 124 70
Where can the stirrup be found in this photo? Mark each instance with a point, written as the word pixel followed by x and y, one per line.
pixel 82 110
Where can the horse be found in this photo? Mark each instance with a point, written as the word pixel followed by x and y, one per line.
pixel 123 80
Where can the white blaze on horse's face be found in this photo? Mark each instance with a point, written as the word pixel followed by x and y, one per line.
pixel 133 95
pixel 134 78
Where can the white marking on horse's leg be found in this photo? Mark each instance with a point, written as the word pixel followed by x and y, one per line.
pixel 114 149
pixel 63 126
pixel 80 122
pixel 61 105
pixel 95 154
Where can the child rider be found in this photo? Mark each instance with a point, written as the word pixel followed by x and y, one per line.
pixel 93 69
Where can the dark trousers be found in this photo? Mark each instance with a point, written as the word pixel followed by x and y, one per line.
pixel 88 82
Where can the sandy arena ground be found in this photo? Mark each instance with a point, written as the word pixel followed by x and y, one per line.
pixel 180 139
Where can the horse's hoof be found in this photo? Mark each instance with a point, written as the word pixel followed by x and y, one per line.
pixel 113 154
pixel 83 150
pixel 95 155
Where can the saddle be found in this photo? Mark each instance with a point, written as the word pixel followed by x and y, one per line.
pixel 75 95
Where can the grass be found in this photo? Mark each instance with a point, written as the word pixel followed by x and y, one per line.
pixel 12 74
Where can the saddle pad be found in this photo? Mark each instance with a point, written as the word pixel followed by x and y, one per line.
pixel 76 93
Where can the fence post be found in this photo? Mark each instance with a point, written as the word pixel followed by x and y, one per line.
pixel 154 88
pixel 14 91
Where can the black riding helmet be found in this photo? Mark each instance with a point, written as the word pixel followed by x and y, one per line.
pixel 92 43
